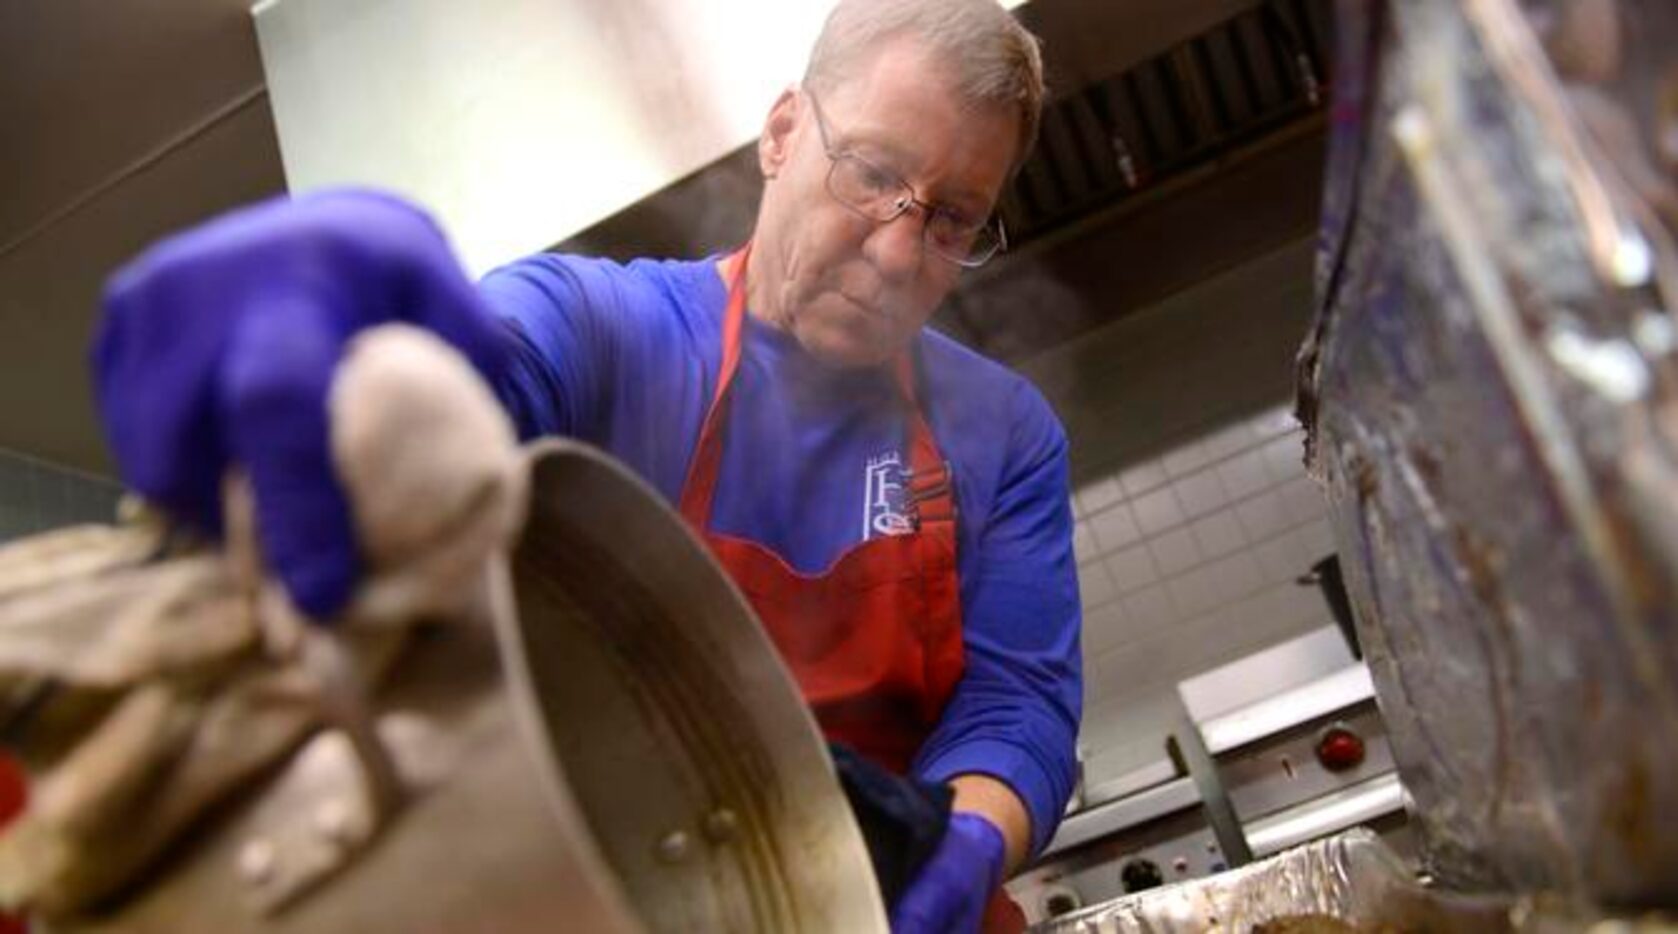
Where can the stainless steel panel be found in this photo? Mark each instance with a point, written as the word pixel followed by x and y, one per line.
pixel 1302 660
pixel 1154 773
pixel 1273 714
pixel 1122 814
pixel 1282 770
pixel 1356 805
pixel 1179 845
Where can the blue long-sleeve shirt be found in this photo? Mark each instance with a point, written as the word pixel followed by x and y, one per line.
pixel 626 358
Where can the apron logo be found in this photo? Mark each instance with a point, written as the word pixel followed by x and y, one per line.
pixel 883 510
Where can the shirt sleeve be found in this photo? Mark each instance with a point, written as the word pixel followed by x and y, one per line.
pixel 570 322
pixel 1014 715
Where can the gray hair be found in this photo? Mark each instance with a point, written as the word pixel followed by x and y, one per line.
pixel 995 60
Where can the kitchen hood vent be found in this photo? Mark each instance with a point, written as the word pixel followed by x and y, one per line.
pixel 1179 110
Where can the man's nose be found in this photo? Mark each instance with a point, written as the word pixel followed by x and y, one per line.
pixel 897 247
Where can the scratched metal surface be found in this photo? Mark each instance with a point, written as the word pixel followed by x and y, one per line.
pixel 1493 406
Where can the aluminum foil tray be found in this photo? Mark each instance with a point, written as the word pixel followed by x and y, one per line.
pixel 1352 877
pixel 1348 882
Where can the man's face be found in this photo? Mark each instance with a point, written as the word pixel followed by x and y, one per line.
pixel 853 291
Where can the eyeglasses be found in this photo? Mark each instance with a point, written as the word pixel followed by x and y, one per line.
pixel 882 197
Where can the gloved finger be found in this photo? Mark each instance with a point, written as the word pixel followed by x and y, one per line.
pixel 275 380
pixel 169 316
pixel 199 366
pixel 950 893
pixel 154 361
pixel 424 283
pixel 438 296
pixel 448 305
pixel 932 909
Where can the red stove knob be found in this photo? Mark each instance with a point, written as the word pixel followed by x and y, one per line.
pixel 1339 748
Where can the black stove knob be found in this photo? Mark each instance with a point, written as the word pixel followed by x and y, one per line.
pixel 1060 903
pixel 1140 874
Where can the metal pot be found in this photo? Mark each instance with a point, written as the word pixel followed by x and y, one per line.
pixel 619 750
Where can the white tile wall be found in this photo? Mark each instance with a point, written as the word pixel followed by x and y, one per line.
pixel 1098 495
pixel 1192 593
pixel 1158 510
pixel 1201 492
pixel 1105 627
pixel 1142 476
pixel 1190 574
pixel 1150 609
pixel 1083 541
pixel 1174 552
pixel 1194 513
pixel 1262 515
pixel 1114 528
pixel 1245 474
pixel 1219 534
pixel 1130 569
pixel 1095 586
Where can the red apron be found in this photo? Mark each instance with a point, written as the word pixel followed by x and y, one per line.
pixel 874 641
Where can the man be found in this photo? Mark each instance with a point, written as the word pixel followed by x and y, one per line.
pixel 894 506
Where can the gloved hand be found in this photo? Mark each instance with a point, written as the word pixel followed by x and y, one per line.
pixel 903 819
pixel 949 894
pixel 218 347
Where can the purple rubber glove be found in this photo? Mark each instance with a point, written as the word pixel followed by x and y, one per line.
pixel 218 346
pixel 949 894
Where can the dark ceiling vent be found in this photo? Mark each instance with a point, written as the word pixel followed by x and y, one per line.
pixel 1182 108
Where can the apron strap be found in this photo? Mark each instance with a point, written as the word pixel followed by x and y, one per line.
pixel 930 489
pixel 930 494
pixel 699 490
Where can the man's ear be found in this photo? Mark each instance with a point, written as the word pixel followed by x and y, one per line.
pixel 774 146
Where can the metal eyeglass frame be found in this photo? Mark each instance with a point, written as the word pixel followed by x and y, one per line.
pixel 905 201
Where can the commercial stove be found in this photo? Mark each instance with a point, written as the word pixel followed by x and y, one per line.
pixel 1155 834
pixel 1276 749
pixel 1287 745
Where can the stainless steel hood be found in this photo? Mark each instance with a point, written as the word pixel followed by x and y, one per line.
pixel 521 123
pixel 144 137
